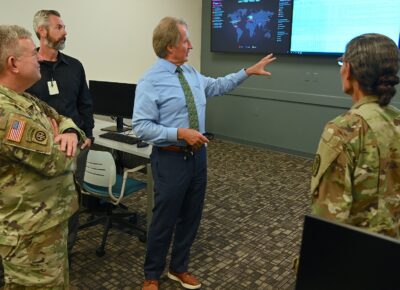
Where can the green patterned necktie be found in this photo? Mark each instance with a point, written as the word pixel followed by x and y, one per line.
pixel 192 111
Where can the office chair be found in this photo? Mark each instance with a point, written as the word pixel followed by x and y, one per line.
pixel 102 181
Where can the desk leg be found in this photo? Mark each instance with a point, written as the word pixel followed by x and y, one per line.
pixel 150 195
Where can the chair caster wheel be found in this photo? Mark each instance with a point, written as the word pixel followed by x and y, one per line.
pixel 100 252
pixel 143 238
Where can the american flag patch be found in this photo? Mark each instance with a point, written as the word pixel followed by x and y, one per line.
pixel 16 130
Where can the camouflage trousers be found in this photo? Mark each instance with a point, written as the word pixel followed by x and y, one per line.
pixel 38 261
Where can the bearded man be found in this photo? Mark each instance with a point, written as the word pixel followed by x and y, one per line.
pixel 63 86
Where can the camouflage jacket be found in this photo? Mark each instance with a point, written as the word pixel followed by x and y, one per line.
pixel 356 172
pixel 36 183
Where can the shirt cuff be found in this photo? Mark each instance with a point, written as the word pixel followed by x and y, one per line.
pixel 242 75
pixel 172 134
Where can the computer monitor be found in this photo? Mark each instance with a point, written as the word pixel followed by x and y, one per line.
pixel 320 27
pixel 114 100
pixel 336 256
pixel 244 26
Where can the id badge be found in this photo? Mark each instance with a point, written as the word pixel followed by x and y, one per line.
pixel 53 88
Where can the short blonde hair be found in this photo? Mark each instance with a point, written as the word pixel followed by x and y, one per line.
pixel 9 37
pixel 41 18
pixel 166 33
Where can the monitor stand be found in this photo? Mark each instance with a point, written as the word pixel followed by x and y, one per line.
pixel 118 128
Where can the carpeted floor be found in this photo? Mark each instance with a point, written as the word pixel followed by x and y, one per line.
pixel 249 235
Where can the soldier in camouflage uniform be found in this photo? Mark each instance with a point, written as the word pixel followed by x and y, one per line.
pixel 37 191
pixel 356 172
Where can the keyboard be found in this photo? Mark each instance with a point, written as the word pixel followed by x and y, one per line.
pixel 120 137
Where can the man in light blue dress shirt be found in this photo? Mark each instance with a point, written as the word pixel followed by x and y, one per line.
pixel 178 159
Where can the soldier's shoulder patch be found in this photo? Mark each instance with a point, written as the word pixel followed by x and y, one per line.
pixel 16 129
pixel 25 133
pixel 327 134
pixel 39 136
pixel 316 165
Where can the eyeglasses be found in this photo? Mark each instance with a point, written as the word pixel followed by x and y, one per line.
pixel 340 61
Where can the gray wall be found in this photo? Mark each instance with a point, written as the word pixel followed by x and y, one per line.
pixel 286 111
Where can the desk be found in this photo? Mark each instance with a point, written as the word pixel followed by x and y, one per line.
pixel 131 149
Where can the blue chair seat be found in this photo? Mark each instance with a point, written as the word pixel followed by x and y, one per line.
pixel 131 186
pixel 100 170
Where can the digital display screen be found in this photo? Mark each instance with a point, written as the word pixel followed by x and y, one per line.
pixel 299 26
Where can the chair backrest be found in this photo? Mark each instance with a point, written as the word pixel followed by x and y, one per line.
pixel 100 168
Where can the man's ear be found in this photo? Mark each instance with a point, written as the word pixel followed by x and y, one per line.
pixel 170 48
pixel 42 31
pixel 11 64
pixel 347 70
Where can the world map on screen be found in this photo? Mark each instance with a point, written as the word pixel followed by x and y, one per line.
pixel 246 21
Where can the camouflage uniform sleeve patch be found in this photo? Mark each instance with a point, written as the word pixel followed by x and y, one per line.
pixel 16 129
pixel 328 150
pixel 316 164
pixel 39 136
pixel 24 133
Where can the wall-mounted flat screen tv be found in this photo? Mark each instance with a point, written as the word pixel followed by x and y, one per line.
pixel 299 26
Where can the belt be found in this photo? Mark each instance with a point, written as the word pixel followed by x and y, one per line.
pixel 181 149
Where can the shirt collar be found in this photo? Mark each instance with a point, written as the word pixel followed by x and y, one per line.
pixel 365 100
pixel 60 57
pixel 169 66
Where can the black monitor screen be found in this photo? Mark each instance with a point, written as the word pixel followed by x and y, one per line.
pixel 335 256
pixel 113 99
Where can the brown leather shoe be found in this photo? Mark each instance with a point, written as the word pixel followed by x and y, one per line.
pixel 150 285
pixel 187 280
